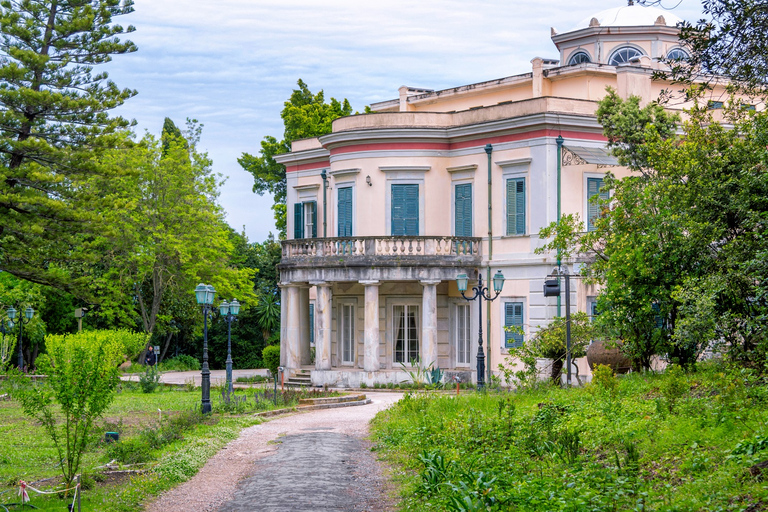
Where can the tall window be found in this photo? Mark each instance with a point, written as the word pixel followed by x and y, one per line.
pixel 579 57
pixel 305 220
pixel 516 206
pixel 463 209
pixel 462 335
pixel 594 188
pixel 405 210
pixel 347 332
pixel 345 211
pixel 592 311
pixel 513 317
pixel 406 328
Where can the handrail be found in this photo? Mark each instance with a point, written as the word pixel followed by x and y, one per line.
pixel 360 246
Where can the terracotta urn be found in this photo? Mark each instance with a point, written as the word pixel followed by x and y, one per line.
pixel 608 352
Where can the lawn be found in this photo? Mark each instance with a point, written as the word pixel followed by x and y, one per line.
pixel 162 437
pixel 673 442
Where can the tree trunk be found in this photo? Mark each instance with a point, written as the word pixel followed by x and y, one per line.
pixel 557 371
pixel 165 348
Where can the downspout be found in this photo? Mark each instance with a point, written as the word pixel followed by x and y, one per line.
pixel 488 151
pixel 324 175
pixel 559 141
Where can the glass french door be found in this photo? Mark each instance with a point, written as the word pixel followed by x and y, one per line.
pixel 406 328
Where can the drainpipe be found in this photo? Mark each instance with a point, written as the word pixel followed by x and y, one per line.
pixel 488 151
pixel 559 141
pixel 324 175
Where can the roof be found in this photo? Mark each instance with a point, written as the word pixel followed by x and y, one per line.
pixel 631 16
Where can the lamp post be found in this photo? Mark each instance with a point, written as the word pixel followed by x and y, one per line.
pixel 204 294
pixel 229 311
pixel 4 329
pixel 28 314
pixel 482 293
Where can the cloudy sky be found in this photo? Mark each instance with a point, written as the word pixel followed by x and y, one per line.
pixel 232 63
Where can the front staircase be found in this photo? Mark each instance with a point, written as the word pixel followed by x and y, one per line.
pixel 302 378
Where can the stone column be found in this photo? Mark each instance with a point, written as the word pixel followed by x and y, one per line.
pixel 292 356
pixel 304 355
pixel 429 324
pixel 323 326
pixel 283 323
pixel 372 340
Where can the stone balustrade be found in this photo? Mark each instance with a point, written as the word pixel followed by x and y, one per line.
pixel 386 246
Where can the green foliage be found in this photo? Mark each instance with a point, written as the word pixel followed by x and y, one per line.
pixel 54 118
pixel 271 357
pixel 180 363
pixel 604 379
pixel 149 381
pixel 552 449
pixel 304 115
pixel 82 377
pixel 550 342
pixel 675 386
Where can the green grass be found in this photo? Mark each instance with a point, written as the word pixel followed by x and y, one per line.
pixel 658 442
pixel 27 453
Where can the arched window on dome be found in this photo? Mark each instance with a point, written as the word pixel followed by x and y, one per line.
pixel 580 57
pixel 678 54
pixel 624 54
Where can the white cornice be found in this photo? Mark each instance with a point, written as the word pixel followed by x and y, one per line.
pixel 312 186
pixel 404 168
pixel 514 162
pixel 462 168
pixel 344 173
pixel 307 156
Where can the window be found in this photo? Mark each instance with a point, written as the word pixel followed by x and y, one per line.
pixel 677 54
pixel 345 211
pixel 405 210
pixel 715 105
pixel 305 220
pixel 516 206
pixel 406 329
pixel 463 209
pixel 592 311
pixel 579 57
pixel 513 317
pixel 624 55
pixel 594 188
pixel 347 332
pixel 311 324
pixel 462 335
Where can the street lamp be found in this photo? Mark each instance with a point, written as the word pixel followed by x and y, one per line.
pixel 229 311
pixel 204 293
pixel 28 314
pixel 483 293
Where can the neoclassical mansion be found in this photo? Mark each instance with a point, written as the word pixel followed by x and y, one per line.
pixel 387 210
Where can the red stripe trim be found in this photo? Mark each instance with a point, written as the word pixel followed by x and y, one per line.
pixel 306 167
pixel 437 146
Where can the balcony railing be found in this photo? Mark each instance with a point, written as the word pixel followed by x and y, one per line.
pixel 382 246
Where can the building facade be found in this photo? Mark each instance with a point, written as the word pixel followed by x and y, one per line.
pixel 387 210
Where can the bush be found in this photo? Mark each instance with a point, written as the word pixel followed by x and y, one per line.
pixel 180 363
pixel 271 357
pixel 149 380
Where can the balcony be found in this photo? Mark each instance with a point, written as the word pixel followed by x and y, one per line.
pixel 378 257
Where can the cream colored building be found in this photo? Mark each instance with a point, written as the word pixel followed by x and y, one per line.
pixel 387 210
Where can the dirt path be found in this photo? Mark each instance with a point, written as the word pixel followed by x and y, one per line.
pixel 311 461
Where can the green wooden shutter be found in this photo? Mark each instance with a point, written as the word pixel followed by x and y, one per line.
pixel 513 317
pixel 312 213
pixel 405 210
pixel 594 188
pixel 463 209
pixel 516 206
pixel 345 212
pixel 298 220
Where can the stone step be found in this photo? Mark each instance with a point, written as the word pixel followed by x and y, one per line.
pixel 332 400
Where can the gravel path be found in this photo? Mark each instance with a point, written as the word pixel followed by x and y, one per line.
pixel 316 461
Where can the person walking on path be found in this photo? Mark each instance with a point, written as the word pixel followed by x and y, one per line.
pixel 151 357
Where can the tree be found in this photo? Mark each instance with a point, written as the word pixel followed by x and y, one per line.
pixel 304 115
pixel 54 118
pixel 167 233
pixel 729 43
pixel 82 372
pixel 550 342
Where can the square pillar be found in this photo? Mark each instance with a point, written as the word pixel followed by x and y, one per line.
pixel 371 338
pixel 429 324
pixel 323 326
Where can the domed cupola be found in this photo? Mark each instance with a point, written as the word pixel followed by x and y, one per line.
pixel 631 34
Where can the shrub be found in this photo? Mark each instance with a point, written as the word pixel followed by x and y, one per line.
pixel 675 386
pixel 604 379
pixel 149 380
pixel 180 363
pixel 271 357
pixel 82 374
